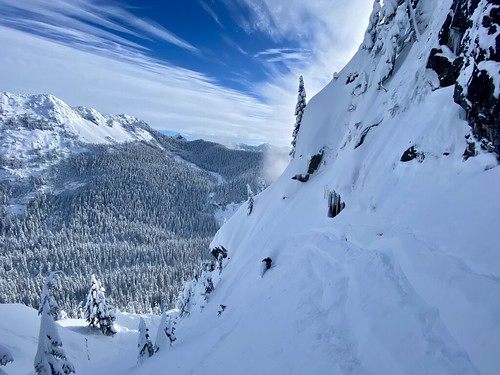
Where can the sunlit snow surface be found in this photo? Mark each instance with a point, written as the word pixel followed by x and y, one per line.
pixel 406 280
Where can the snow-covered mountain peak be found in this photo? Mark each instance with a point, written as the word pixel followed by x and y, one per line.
pixel 39 130
pixel 86 125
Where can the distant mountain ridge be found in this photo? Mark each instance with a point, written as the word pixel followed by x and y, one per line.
pixel 87 124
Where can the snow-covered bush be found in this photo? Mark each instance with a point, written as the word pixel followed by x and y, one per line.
pixel 5 356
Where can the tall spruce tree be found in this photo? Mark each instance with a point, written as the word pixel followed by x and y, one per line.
pixel 96 310
pixel 299 111
pixel 50 358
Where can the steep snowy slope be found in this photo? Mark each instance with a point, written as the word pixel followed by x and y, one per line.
pixel 406 279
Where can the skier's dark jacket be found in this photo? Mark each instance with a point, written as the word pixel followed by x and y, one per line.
pixel 268 261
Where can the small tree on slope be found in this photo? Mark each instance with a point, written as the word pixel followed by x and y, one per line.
pixel 50 358
pixel 144 344
pixel 166 332
pixel 47 298
pixel 97 312
pixel 299 111
pixel 250 200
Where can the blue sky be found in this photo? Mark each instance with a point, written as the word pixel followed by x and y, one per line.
pixel 223 70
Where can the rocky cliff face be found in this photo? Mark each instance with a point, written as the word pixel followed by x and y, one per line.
pixel 469 58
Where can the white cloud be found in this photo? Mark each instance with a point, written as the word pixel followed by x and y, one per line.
pixel 283 54
pixel 77 17
pixel 211 12
pixel 330 30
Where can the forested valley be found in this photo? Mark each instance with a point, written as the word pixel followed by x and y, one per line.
pixel 133 214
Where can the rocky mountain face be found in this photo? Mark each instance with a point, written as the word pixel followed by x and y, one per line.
pixel 468 57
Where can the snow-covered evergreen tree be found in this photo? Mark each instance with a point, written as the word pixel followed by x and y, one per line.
pixel 50 358
pixel 47 298
pixel 413 19
pixel 5 356
pixel 250 200
pixel 146 348
pixel 186 299
pixel 299 111
pixel 391 35
pixel 97 312
pixel 196 292
pixel 371 31
pixel 166 331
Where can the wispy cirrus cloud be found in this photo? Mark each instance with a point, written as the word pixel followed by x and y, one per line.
pixel 76 20
pixel 283 54
pixel 211 12
pixel 316 38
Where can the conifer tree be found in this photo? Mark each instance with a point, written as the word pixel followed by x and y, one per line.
pixel 299 111
pixel 371 31
pixel 96 310
pixel 185 300
pixel 166 332
pixel 47 298
pixel 50 358
pixel 250 200
pixel 146 348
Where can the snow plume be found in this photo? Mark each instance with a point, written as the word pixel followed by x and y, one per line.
pixel 275 162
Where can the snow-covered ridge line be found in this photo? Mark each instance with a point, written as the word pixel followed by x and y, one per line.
pixel 47 113
pixel 37 131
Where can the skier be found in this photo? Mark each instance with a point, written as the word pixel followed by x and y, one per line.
pixel 268 261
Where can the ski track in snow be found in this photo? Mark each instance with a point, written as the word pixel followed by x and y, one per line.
pixel 361 280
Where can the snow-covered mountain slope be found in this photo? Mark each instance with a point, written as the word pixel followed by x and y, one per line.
pixel 86 124
pixel 406 279
pixel 87 349
pixel 39 130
